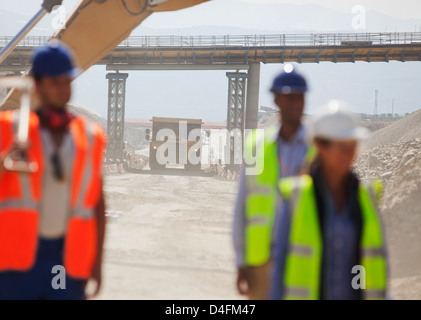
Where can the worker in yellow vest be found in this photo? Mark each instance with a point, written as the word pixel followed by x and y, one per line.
pixel 279 152
pixel 52 219
pixel 331 243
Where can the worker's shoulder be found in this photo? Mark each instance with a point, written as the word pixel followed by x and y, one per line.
pixel 287 186
pixel 91 126
pixel 374 183
pixel 375 188
pixel 7 115
pixel 256 136
pixel 88 122
pixel 11 116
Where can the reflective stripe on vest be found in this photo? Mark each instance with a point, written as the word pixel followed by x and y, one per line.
pixel 304 257
pixel 19 199
pixel 20 196
pixel 81 237
pixel 372 244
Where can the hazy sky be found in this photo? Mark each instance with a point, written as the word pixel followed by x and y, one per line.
pixel 203 94
pixel 403 9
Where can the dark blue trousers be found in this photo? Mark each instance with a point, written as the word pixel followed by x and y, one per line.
pixel 36 284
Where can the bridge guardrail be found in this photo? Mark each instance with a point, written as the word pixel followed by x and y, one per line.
pixel 246 41
pixel 30 41
pixel 322 39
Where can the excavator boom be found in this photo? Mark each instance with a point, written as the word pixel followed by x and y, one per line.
pixel 96 27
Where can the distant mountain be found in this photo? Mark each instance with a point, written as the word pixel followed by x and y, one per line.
pixel 11 23
pixel 206 30
pixel 274 17
pixel 203 94
pixel 236 17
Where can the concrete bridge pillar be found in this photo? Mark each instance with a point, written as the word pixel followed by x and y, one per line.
pixel 235 118
pixel 253 87
pixel 115 118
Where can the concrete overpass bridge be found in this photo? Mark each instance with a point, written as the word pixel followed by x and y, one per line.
pixel 219 52
pixel 241 55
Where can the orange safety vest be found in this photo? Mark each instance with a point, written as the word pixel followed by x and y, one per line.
pixel 21 195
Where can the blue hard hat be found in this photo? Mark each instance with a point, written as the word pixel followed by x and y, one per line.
pixel 289 81
pixel 54 59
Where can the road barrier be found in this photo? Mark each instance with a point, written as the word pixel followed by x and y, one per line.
pixel 113 169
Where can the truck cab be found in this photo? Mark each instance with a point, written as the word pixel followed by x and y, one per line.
pixel 175 141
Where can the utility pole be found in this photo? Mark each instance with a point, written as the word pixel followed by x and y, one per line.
pixel 375 102
pixel 393 105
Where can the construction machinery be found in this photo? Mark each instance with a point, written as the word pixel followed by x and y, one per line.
pixel 94 29
pixel 133 162
pixel 175 141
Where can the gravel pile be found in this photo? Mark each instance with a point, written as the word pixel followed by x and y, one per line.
pixel 77 108
pixel 393 155
pixel 404 130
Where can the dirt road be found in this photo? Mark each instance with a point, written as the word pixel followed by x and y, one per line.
pixel 168 237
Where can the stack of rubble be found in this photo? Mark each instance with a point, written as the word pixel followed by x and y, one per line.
pixel 79 109
pixel 389 162
pixel 393 155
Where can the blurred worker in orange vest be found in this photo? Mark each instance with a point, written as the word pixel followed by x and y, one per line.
pixel 52 220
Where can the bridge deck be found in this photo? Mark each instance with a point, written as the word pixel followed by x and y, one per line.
pixel 236 52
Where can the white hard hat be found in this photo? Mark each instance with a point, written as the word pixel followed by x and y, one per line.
pixel 335 121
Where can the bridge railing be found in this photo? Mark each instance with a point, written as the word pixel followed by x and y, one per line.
pixel 323 39
pixel 30 41
pixel 246 41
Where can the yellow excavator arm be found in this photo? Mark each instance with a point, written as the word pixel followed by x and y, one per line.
pixel 96 27
pixel 173 5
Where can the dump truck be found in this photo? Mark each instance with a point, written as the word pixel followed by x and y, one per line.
pixel 175 141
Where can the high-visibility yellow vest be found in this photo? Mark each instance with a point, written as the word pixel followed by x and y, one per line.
pixel 262 195
pixel 304 258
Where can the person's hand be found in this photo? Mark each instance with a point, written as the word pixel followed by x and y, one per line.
pixel 96 279
pixel 16 149
pixel 16 145
pixel 243 281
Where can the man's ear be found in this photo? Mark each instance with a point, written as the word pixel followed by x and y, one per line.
pixel 36 83
pixel 276 99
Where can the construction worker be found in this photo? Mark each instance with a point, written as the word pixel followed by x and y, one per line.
pixel 52 221
pixel 330 244
pixel 282 152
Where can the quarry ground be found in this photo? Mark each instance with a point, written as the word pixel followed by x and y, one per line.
pixel 169 233
pixel 169 237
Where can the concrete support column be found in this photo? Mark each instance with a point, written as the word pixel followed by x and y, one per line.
pixel 116 114
pixel 235 118
pixel 253 87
